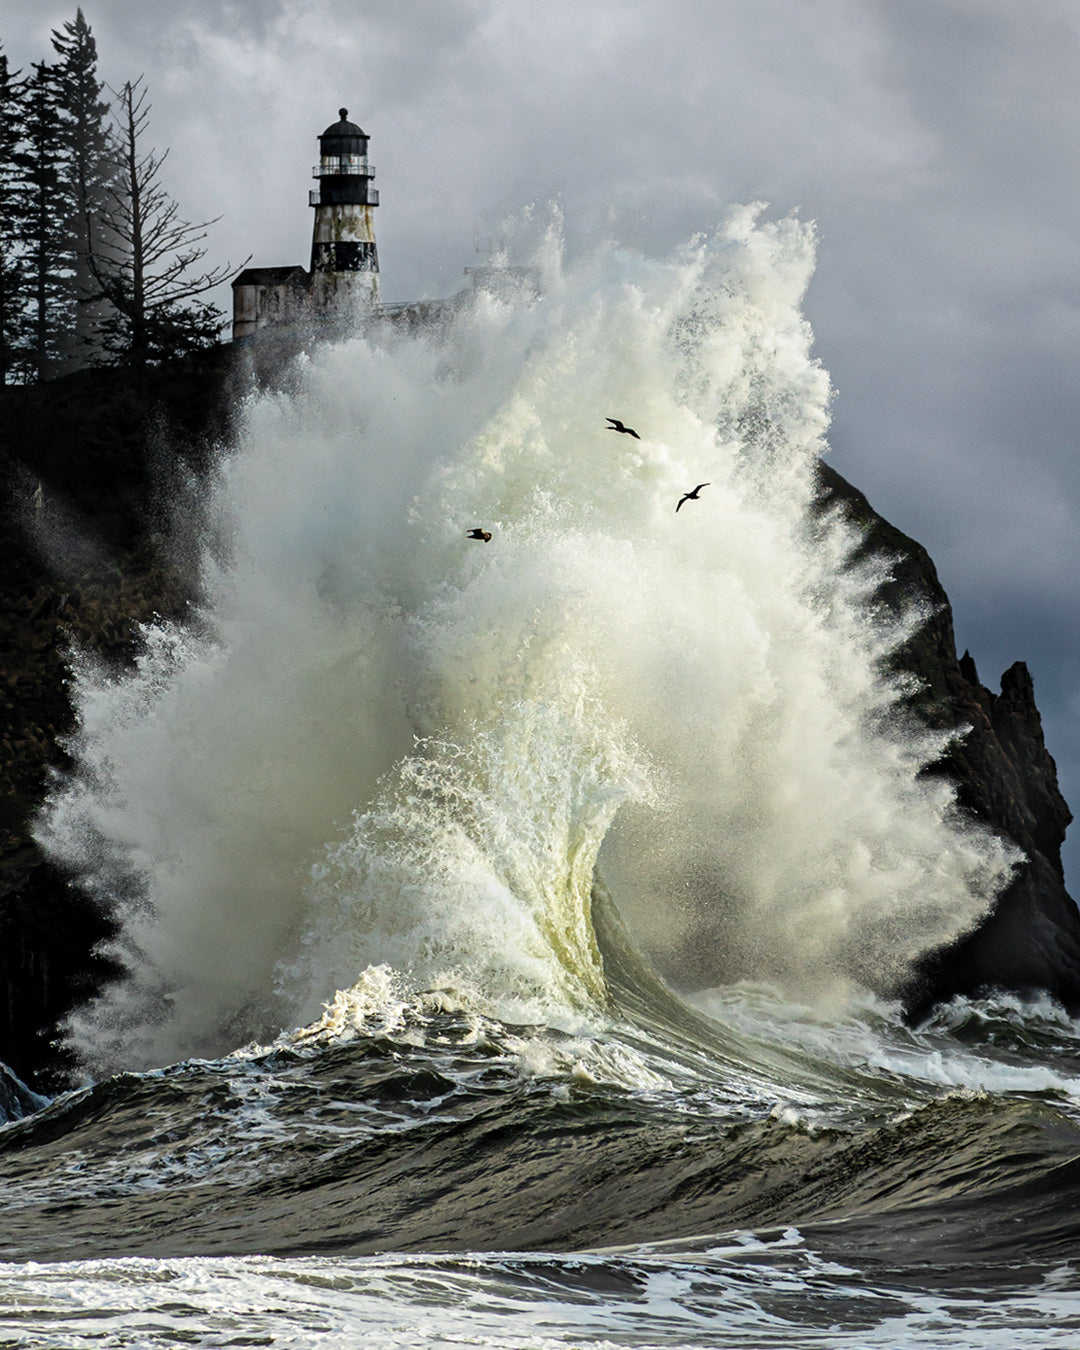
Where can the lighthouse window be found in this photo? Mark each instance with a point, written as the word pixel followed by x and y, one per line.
pixel 352 165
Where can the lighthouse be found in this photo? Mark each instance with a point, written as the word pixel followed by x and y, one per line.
pixel 344 260
pixel 342 286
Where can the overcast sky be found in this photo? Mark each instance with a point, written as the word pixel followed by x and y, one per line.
pixel 935 142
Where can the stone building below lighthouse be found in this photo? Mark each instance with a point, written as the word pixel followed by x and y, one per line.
pixel 343 283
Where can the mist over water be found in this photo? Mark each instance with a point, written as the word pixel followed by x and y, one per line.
pixel 383 743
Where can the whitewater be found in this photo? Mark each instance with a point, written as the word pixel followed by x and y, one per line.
pixel 512 929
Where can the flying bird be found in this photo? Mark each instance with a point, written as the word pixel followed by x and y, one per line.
pixel 691 496
pixel 616 425
pixel 478 533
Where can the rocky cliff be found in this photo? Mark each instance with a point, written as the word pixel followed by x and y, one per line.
pixel 87 461
pixel 1005 777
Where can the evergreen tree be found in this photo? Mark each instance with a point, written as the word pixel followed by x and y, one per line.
pixel 146 262
pixel 87 169
pixel 13 261
pixel 46 211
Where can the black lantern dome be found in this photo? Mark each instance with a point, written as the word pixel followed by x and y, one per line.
pixel 343 127
pixel 343 169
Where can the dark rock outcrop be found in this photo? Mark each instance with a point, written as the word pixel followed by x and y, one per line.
pixel 1005 777
pixel 16 1099
pixel 87 463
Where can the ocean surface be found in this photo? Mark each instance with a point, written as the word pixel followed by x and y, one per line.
pixel 512 927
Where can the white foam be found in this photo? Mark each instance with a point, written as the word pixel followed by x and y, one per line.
pixel 386 743
pixel 741 1292
pixel 867 1036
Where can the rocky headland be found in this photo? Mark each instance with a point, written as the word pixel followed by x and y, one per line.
pixel 1005 777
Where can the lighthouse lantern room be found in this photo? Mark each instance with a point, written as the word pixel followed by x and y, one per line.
pixel 344 259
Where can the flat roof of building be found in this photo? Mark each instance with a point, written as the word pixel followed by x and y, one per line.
pixel 270 276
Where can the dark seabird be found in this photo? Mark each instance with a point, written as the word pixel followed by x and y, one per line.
pixel 691 496
pixel 478 533
pixel 616 425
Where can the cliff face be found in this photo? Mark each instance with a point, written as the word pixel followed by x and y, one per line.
pixel 86 559
pixel 86 463
pixel 1005 778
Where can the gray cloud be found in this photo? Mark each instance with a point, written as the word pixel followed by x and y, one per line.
pixel 932 140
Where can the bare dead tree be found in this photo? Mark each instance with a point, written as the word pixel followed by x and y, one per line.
pixel 146 261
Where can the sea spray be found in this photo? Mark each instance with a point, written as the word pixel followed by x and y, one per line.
pixel 474 867
pixel 384 742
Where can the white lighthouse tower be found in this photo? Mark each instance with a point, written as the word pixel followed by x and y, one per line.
pixel 344 260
